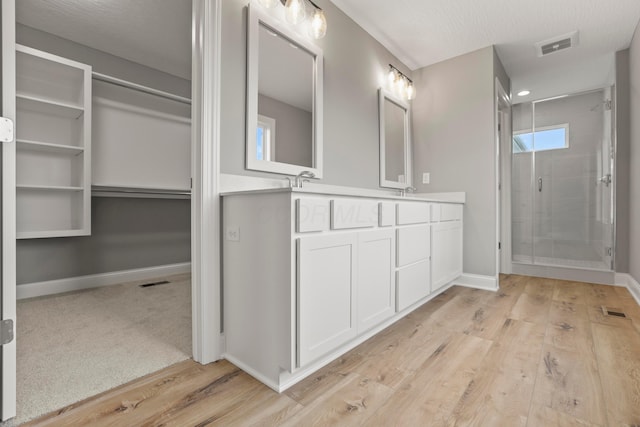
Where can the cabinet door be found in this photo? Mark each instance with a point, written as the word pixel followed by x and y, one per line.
pixel 412 284
pixel 376 278
pixel 326 287
pixel 446 253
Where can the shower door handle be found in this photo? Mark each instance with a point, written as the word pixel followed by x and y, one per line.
pixel 606 179
pixel 540 184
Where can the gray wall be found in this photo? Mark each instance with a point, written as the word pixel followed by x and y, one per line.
pixel 126 233
pixel 454 140
pixel 294 127
pixel 355 66
pixel 634 162
pixel 623 128
pixel 102 62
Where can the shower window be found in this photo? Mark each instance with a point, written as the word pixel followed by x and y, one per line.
pixel 547 138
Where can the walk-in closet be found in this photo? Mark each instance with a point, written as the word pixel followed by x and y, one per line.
pixel 103 137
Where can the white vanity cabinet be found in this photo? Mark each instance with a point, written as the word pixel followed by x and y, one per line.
pixel 307 276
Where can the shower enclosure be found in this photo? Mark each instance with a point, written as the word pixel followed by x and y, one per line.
pixel 562 193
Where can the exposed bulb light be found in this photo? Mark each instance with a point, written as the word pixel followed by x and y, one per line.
pixel 294 11
pixel 268 3
pixel 524 93
pixel 318 27
pixel 401 86
pixel 411 91
pixel 392 75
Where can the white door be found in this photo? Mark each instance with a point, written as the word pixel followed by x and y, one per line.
pixel 376 277
pixel 326 294
pixel 8 217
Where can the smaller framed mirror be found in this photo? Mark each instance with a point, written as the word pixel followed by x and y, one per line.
pixel 284 98
pixel 395 141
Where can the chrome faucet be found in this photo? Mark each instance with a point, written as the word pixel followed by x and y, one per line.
pixel 298 180
pixel 404 191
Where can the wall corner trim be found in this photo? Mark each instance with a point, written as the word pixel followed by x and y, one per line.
pixel 627 280
pixel 488 283
pixel 50 287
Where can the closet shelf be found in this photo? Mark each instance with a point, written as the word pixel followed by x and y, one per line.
pixel 140 192
pixel 49 187
pixel 48 147
pixel 48 106
pixel 49 233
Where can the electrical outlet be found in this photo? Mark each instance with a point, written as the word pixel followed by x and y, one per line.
pixel 426 177
pixel 233 234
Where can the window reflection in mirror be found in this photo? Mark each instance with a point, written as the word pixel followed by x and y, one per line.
pixel 395 151
pixel 284 89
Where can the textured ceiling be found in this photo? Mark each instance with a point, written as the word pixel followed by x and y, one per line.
pixel 155 33
pixel 423 32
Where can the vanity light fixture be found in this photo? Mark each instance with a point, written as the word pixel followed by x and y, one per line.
pixel 295 12
pixel 402 83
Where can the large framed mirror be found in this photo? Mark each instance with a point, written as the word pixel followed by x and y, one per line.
pixel 284 98
pixel 395 141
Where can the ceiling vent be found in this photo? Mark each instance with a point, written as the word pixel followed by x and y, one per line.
pixel 557 44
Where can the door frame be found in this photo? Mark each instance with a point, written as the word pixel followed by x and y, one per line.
pixel 8 232
pixel 502 113
pixel 206 297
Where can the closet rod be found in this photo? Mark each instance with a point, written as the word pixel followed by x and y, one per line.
pixel 135 86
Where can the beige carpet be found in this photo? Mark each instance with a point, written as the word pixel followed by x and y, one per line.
pixel 75 345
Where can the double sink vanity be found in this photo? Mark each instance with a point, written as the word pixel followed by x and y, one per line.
pixel 310 270
pixel 309 274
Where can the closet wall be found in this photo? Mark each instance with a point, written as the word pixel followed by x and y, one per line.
pixel 127 233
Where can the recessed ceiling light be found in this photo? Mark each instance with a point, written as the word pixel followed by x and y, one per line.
pixel 524 93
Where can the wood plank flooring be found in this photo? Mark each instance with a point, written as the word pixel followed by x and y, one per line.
pixel 539 352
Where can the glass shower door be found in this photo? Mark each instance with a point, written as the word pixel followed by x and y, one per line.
pixel 566 155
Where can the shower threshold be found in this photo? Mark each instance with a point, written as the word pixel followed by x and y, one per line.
pixel 563 262
pixel 590 272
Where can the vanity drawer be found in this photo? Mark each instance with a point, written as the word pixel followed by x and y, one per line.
pixel 413 213
pixel 414 244
pixel 446 212
pixel 387 211
pixel 412 284
pixel 312 215
pixel 347 213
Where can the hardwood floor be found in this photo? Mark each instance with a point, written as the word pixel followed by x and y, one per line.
pixel 539 352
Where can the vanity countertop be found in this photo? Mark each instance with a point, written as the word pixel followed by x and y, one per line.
pixel 337 190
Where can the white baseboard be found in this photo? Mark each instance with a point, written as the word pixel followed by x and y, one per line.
pixel 624 279
pixel 488 283
pixel 50 287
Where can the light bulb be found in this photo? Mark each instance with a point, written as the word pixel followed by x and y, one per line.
pixel 392 76
pixel 401 85
pixel 294 11
pixel 268 3
pixel 411 91
pixel 318 27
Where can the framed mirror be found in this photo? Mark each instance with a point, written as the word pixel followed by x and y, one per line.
pixel 395 141
pixel 284 98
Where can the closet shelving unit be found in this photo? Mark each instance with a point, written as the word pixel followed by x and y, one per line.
pixel 53 142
